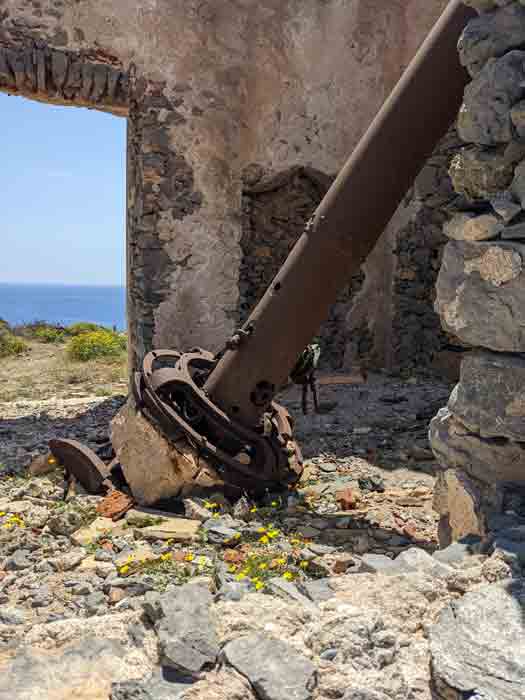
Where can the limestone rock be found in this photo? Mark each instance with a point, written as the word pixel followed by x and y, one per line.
pixel 485 117
pixel 481 294
pixel 467 227
pixel 275 670
pixel 457 552
pixel 86 655
pixel 100 526
pixel 516 232
pixel 157 687
pixel 518 184
pixel 491 36
pixel 504 205
pixel 155 469
pixel 177 529
pixel 415 559
pixel 224 684
pixel 480 174
pixel 490 397
pixel 64 523
pixel 376 563
pixel 488 460
pixel 478 645
pixel 187 638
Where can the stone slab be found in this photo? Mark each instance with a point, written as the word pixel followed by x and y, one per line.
pixel 275 670
pixel 490 397
pixel 488 460
pixel 478 644
pixel 481 294
pixel 177 529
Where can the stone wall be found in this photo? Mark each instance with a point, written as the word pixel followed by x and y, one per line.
pixel 215 90
pixel 479 437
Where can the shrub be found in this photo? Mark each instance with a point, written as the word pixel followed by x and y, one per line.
pixel 96 344
pixel 84 327
pixel 9 344
pixel 41 330
pixel 49 334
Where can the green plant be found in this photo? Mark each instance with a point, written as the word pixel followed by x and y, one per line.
pixel 84 327
pixel 49 334
pixel 96 344
pixel 10 345
pixel 39 330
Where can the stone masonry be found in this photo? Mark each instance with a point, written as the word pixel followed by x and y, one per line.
pixel 225 99
pixel 479 437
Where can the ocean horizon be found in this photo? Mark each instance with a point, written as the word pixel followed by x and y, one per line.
pixel 63 304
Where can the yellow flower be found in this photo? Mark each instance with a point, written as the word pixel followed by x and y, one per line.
pixel 280 562
pixel 288 575
pixel 237 536
pixel 2 514
pixel 7 526
pixel 169 542
pixel 264 539
pixel 261 530
pixel 202 561
pixel 259 585
pixel 272 534
pixel 210 506
pixel 167 556
pixel 254 509
pixel 124 569
pixel 232 569
pixel 215 515
pixel 263 566
pixel 189 557
pixel 274 504
pixel 240 576
pixel 304 564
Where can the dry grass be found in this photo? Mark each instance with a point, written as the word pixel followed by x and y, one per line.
pixel 46 371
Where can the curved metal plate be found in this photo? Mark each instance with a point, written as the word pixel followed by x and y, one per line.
pixel 89 470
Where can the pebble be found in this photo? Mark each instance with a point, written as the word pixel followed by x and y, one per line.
pixel 12 616
pixel 18 561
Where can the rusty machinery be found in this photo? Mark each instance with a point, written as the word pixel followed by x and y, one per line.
pixel 224 405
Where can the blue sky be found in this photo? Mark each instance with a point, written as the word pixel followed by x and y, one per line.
pixel 62 194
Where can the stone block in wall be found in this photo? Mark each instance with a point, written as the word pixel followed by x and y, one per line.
pixel 491 36
pixel 490 397
pixel 468 227
pixel 480 174
pixel 488 460
pixel 481 294
pixel 458 500
pixel 485 116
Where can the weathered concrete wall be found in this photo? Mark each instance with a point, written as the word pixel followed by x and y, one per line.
pixel 213 90
pixel 479 438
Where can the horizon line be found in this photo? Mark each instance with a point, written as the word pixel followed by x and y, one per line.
pixel 61 284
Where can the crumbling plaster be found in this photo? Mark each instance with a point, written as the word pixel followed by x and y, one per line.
pixel 216 86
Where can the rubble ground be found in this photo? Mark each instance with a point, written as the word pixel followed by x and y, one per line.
pixel 328 591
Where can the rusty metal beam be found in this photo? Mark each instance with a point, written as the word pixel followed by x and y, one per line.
pixel 346 225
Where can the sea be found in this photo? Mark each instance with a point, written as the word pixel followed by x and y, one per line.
pixel 63 304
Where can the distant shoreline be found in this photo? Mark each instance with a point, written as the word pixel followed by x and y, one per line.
pixel 62 284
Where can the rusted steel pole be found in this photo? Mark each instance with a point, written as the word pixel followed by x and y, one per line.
pixel 347 223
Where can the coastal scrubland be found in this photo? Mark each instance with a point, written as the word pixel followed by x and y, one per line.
pixel 41 360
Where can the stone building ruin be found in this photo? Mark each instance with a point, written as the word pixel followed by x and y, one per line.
pixel 234 134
